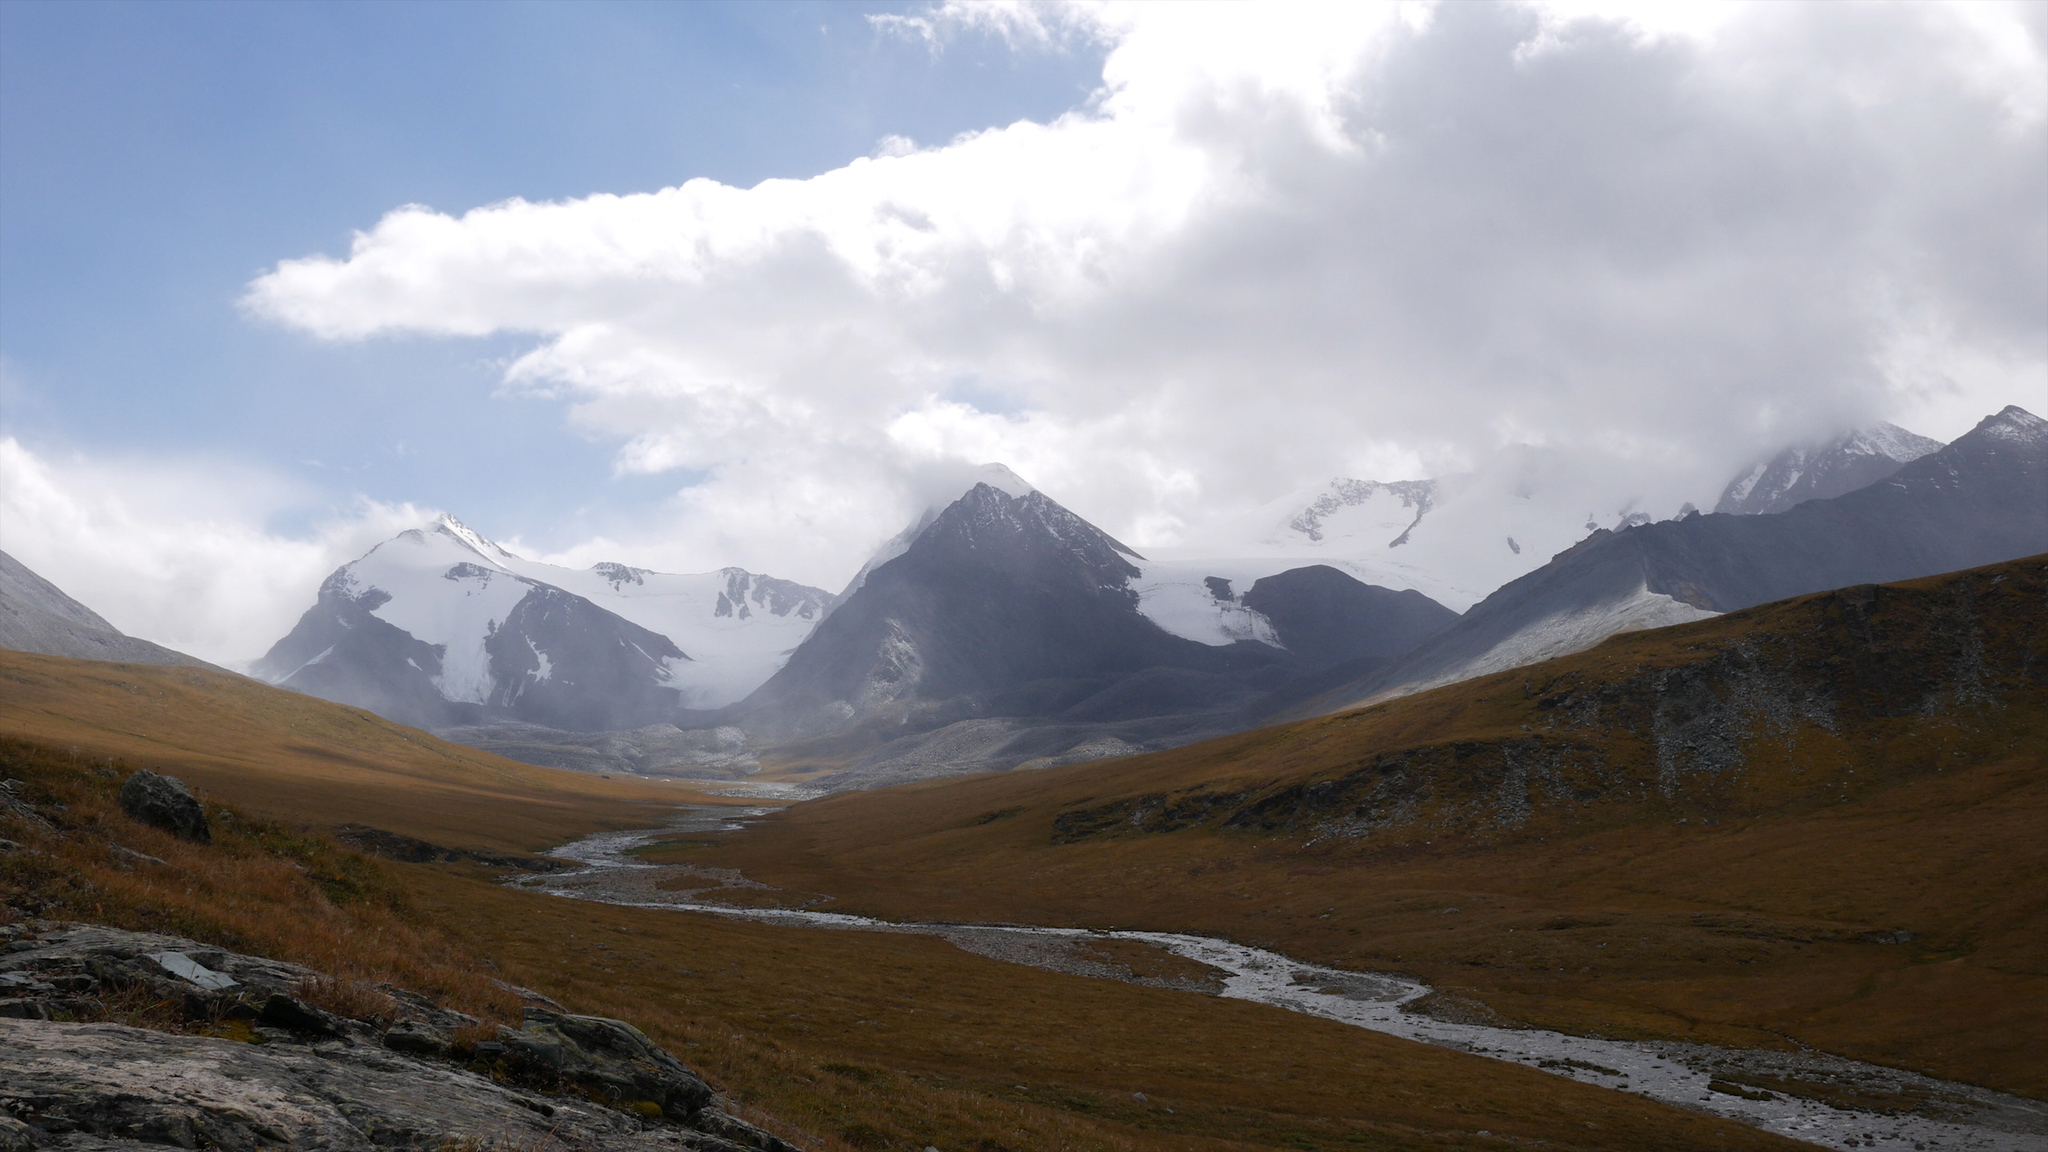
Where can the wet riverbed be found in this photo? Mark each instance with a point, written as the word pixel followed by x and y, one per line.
pixel 1747 1085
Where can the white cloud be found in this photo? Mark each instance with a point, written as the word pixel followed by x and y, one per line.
pixel 175 551
pixel 1284 242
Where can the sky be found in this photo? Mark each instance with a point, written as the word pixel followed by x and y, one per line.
pixel 693 285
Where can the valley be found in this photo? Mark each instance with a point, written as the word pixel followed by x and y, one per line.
pixel 1800 1093
pixel 1843 856
pixel 1033 842
pixel 1024 576
pixel 835 1040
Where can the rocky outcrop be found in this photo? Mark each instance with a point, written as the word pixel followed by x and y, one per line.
pixel 245 1059
pixel 164 802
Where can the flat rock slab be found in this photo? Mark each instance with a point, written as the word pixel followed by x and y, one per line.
pixel 111 1081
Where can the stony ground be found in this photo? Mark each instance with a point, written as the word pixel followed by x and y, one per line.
pixel 223 1050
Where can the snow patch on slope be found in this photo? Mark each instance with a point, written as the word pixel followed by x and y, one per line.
pixel 429 583
pixel 736 626
pixel 1564 634
pixel 1184 599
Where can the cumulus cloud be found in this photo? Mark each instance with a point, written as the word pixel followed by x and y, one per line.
pixel 175 551
pixel 1285 242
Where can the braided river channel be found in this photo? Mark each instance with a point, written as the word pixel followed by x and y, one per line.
pixel 1700 1077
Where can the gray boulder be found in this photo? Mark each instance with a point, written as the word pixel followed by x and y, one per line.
pixel 609 1058
pixel 164 802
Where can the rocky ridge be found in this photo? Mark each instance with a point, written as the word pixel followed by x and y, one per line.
pixel 1980 500
pixel 224 1050
pixel 1820 471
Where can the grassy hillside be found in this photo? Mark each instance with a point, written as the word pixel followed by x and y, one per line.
pixel 1815 821
pixel 304 759
pixel 845 1042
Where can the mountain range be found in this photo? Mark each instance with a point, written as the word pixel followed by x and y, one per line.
pixel 440 626
pixel 1001 629
pixel 1979 500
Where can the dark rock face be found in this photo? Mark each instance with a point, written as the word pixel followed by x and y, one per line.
pixel 289 1073
pixel 611 1058
pixel 745 591
pixel 1981 500
pixel 1326 616
pixel 164 802
pixel 997 593
pixel 562 661
pixel 341 651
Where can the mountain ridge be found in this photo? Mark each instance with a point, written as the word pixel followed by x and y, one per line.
pixel 1965 505
pixel 440 626
pixel 1819 471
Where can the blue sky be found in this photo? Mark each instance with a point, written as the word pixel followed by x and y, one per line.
pixel 160 155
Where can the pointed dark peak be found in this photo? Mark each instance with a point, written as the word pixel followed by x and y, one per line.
pixel 990 525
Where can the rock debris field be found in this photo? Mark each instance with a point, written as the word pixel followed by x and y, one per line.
pixel 1775 1091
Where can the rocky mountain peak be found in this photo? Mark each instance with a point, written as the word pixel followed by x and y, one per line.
pixel 1031 529
pixel 2013 424
pixel 1822 471
pixel 997 477
pixel 447 525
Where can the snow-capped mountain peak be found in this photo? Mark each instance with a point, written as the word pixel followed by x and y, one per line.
pixel 447 525
pixel 1822 471
pixel 442 617
pixel 1000 478
pixel 1353 496
pixel 2015 425
pixel 1454 538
